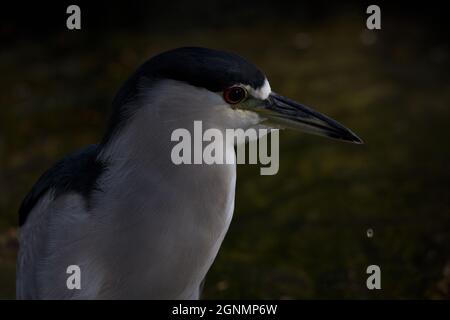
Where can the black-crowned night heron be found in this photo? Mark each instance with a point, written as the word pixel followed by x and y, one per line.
pixel 136 224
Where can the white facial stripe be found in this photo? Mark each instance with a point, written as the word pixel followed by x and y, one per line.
pixel 261 92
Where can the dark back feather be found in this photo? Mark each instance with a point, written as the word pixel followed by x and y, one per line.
pixel 77 172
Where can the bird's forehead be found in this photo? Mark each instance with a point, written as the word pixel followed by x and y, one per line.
pixel 262 92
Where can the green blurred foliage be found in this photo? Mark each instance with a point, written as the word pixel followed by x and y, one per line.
pixel 300 233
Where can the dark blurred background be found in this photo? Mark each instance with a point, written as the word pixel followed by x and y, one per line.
pixel 303 232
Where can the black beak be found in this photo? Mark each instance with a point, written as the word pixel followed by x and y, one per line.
pixel 288 113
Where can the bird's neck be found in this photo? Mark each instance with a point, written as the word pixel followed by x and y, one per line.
pixel 139 155
pixel 168 209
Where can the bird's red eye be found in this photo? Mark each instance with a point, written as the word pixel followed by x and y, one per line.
pixel 234 94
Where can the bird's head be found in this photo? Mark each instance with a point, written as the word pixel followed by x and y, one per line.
pixel 222 89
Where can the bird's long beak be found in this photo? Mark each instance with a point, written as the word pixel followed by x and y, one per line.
pixel 288 113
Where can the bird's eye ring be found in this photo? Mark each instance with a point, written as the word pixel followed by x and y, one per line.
pixel 234 94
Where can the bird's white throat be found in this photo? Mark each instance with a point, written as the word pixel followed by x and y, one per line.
pixel 219 148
